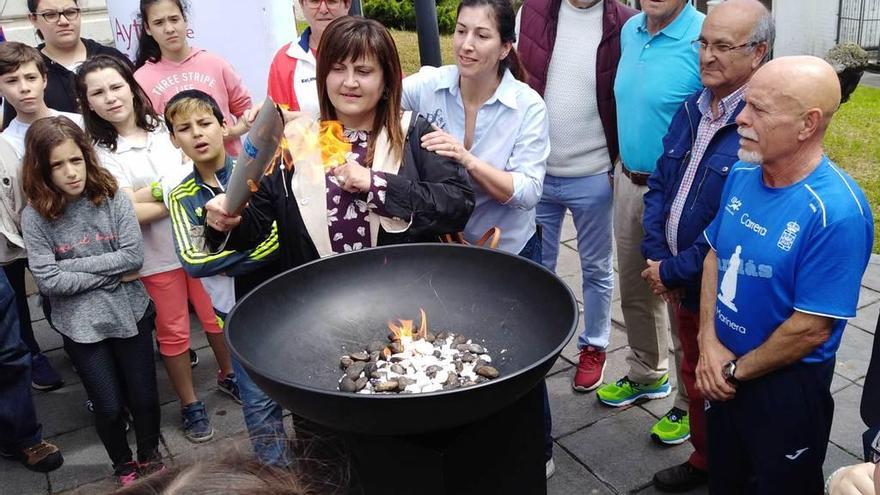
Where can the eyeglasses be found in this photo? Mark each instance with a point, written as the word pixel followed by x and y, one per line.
pixel 71 14
pixel 316 4
pixel 722 48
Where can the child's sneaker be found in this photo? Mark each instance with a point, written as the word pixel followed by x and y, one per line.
pixel 43 375
pixel 229 386
pixel 126 473
pixel 152 466
pixel 196 426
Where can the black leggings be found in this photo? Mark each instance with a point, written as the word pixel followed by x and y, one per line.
pixel 117 373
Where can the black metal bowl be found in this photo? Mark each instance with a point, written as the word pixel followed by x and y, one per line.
pixel 290 332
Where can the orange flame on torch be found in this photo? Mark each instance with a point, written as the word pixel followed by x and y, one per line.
pixel 334 147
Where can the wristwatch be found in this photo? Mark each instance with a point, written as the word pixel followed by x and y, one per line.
pixel 728 371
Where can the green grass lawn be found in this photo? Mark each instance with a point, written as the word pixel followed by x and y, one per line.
pixel 852 142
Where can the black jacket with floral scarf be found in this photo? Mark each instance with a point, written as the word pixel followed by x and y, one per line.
pixel 430 192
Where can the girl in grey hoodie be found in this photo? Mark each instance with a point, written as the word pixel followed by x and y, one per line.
pixel 85 248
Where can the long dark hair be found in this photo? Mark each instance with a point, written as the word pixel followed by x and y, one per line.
pixel 505 20
pixel 148 49
pixel 101 131
pixel 44 136
pixel 353 38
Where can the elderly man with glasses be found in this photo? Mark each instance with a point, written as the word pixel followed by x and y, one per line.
pixel 683 193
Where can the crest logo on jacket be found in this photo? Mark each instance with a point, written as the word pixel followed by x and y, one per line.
pixel 734 205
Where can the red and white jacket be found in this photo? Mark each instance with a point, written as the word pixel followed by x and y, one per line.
pixel 292 82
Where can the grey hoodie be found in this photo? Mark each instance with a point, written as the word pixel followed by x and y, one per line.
pixel 78 261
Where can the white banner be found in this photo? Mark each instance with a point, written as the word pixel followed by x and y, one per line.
pixel 246 33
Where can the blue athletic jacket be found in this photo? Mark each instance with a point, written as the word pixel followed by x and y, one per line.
pixel 685 270
pixel 186 204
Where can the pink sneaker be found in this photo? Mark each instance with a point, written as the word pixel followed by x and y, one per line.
pixel 590 369
pixel 126 473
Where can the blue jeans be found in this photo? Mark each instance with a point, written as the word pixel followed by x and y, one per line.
pixel 19 428
pixel 263 417
pixel 532 251
pixel 589 199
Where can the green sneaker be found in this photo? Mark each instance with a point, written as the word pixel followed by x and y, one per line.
pixel 672 429
pixel 624 392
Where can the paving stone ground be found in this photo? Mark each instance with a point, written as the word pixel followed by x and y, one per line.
pixel 598 450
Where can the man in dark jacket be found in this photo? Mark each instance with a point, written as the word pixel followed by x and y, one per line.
pixel 684 190
pixel 570 49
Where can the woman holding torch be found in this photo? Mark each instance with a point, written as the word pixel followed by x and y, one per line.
pixel 388 189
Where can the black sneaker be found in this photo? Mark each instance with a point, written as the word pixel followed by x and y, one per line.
pixel 681 478
pixel 43 375
pixel 42 457
pixel 193 359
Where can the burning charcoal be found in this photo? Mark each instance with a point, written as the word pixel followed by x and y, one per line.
pixel 347 385
pixel 476 348
pixel 360 383
pixel 432 370
pixel 354 371
pixel 487 371
pixel 403 382
pixel 430 337
pixel 459 339
pixel 389 386
pixel 396 347
pixel 396 368
pixel 345 362
pixel 375 347
pixel 441 336
pixel 360 356
pixel 468 358
pixel 392 337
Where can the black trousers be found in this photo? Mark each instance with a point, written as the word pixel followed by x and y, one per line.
pixel 772 437
pixel 15 274
pixel 117 373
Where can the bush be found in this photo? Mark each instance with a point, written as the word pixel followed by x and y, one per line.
pixel 401 14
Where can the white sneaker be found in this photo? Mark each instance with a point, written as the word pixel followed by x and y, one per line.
pixel 550 468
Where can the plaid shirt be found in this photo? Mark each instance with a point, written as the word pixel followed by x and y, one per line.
pixel 709 125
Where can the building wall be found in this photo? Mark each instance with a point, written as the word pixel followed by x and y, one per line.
pixel 805 27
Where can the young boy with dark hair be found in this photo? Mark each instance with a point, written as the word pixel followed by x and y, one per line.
pixel 196 125
pixel 22 84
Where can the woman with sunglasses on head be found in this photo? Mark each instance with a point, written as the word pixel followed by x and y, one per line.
pixel 164 54
pixel 486 118
pixel 57 23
